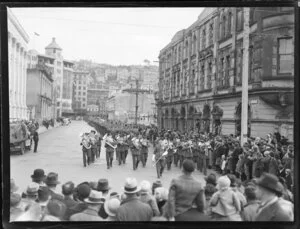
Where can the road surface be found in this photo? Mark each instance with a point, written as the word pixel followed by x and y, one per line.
pixel 59 151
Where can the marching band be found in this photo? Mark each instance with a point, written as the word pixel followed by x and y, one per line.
pixel 168 150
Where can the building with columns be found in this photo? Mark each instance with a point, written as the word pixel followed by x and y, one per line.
pixel 17 51
pixel 200 73
pixel 39 95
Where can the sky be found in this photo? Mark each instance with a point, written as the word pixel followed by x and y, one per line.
pixel 117 36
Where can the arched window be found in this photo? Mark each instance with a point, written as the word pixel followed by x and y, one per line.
pixel 229 23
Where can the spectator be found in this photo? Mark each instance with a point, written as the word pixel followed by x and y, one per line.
pixel 161 196
pixel 250 209
pixel 81 192
pixel 235 188
pixel 286 204
pixel 30 195
pixel 211 179
pixel 15 210
pixel 104 188
pixel 67 191
pixel 288 179
pixel 270 209
pixel 225 203
pixel 132 209
pixel 32 213
pixel 155 185
pixel 147 198
pixel 43 198
pixel 55 211
pixel 52 182
pixel 184 191
pixel 38 177
pixel 93 202
pixel 111 207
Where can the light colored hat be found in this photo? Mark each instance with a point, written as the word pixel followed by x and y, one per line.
pixel 32 189
pixel 145 186
pixel 111 206
pixel 95 197
pixel 266 153
pixel 131 186
pixel 223 183
pixel 162 193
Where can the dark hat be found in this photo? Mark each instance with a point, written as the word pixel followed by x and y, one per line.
pixel 155 185
pixel 232 179
pixel 93 185
pixel 52 178
pixel 68 188
pixel 211 179
pixel 269 182
pixel 103 185
pixel 188 165
pixel 56 208
pixel 13 186
pixel 38 175
pixel 15 198
pixel 114 194
pixel 250 192
pixel 209 189
pixel 83 191
pixel 43 194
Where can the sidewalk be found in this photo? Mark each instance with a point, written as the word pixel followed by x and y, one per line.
pixel 43 129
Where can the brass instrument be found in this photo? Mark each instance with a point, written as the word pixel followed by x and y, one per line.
pixel 86 143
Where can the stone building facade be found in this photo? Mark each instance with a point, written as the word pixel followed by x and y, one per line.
pixel 81 79
pixel 200 73
pixel 17 60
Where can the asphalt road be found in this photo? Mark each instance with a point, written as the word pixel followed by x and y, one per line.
pixel 59 151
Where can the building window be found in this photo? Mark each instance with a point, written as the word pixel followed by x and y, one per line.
pixel 285 55
pixel 83 99
pixel 58 71
pixel 223 27
pixel 209 74
pixel 79 93
pixel 186 50
pixel 203 39
pixel 79 87
pixel 211 34
pixel 54 50
pixel 179 53
pixel 83 93
pixel 84 88
pixel 229 24
pixel 194 44
pixel 240 19
pixel 202 76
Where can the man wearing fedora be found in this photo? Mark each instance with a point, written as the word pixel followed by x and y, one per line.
pixel 93 202
pixel 51 182
pixel 270 209
pixel 132 208
pixel 111 207
pixel 38 177
pixel 67 191
pixel 104 188
pixel 81 192
pixel 30 196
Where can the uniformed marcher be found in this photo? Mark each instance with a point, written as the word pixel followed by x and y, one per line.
pixel 93 145
pixel 170 155
pixel 159 159
pixel 196 153
pixel 135 152
pixel 110 146
pixel 144 150
pixel 86 149
pixel 121 147
pixel 202 167
pixel 98 140
pixel 175 151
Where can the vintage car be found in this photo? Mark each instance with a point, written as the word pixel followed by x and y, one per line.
pixel 20 138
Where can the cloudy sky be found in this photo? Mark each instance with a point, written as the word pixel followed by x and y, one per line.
pixel 105 35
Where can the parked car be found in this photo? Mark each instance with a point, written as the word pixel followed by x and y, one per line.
pixel 20 138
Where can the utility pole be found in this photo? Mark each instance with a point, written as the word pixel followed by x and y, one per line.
pixel 244 118
pixel 136 91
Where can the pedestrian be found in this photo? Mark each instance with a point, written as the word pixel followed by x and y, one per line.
pixel 38 177
pixel 93 202
pixel 67 191
pixel 268 189
pixel 52 182
pixel 250 209
pixel 133 209
pixel 159 158
pixel 184 191
pixel 146 197
pixel 121 148
pixel 103 187
pixel 225 203
pixel 211 179
pixel 35 140
pixel 111 207
pixel 203 155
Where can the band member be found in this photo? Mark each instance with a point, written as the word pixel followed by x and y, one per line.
pixel 98 142
pixel 170 155
pixel 126 147
pixel 181 149
pixel 121 148
pixel 196 153
pixel 203 155
pixel 189 150
pixel 110 148
pixel 144 150
pixel 175 151
pixel 94 145
pixel 159 158
pixel 135 151
pixel 86 149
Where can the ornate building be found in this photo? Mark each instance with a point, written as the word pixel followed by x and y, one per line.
pixel 17 51
pixel 200 73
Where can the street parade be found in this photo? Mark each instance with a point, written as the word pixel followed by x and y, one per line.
pixel 185 119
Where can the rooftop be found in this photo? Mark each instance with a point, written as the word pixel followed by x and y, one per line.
pixel 53 45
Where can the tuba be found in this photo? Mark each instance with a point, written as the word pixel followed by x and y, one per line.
pixel 86 143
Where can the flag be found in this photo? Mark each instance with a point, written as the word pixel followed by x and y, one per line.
pixel 35 33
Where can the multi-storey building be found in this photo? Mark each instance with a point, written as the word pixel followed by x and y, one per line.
pixel 67 89
pixel 17 51
pixel 39 97
pixel 97 94
pixel 81 81
pixel 200 73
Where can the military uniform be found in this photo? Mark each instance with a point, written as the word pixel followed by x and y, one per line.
pixel 196 152
pixel 159 159
pixel 144 151
pixel 203 155
pixel 170 155
pixel 121 147
pixel 93 148
pixel 175 152
pixel 86 151
pixel 109 153
pixel 135 152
